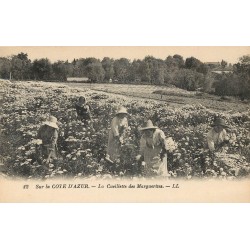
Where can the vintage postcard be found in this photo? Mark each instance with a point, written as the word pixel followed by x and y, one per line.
pixel 125 124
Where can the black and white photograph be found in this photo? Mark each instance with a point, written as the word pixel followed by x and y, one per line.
pixel 124 117
pixel 124 124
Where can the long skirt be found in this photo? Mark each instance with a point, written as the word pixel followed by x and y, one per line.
pixel 43 152
pixel 114 147
pixel 154 163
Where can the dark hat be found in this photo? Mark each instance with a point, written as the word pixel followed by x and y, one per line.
pixel 82 99
pixel 148 125
pixel 219 122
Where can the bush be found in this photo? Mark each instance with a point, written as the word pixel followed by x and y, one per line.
pixel 188 79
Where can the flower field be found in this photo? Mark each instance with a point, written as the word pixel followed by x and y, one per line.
pixel 82 149
pixel 171 96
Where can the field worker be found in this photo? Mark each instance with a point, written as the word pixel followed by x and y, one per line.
pixel 119 125
pixel 83 110
pixel 48 133
pixel 153 149
pixel 217 137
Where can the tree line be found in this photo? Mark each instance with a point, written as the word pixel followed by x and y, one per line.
pixel 190 74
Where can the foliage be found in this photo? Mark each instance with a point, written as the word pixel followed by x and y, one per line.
pixel 227 85
pixel 95 72
pixel 236 83
pixel 190 74
pixel 108 66
pixel 121 69
pixel 59 69
pixel 188 79
pixel 5 67
pixel 192 63
pixel 42 69
pixel 223 64
pixel 21 67
pixel 209 82
pixel 82 149
pixel 242 70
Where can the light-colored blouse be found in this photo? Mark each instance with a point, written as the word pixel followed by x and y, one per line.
pixel 214 138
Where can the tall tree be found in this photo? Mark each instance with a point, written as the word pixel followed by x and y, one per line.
pixel 189 79
pixel 134 72
pixel 95 72
pixel 223 64
pixel 59 71
pixel 16 68
pixel 203 68
pixel 42 69
pixel 144 72
pixel 153 70
pixel 5 67
pixel 242 70
pixel 179 60
pixel 108 66
pixel 122 69
pixel 81 66
pixel 192 63
pixel 21 66
pixel 227 85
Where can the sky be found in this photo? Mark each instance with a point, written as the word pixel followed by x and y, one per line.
pixel 231 54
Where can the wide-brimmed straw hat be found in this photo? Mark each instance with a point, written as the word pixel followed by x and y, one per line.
pixel 51 122
pixel 220 122
pixel 148 125
pixel 121 110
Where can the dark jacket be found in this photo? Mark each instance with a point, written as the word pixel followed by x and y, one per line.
pixel 83 112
